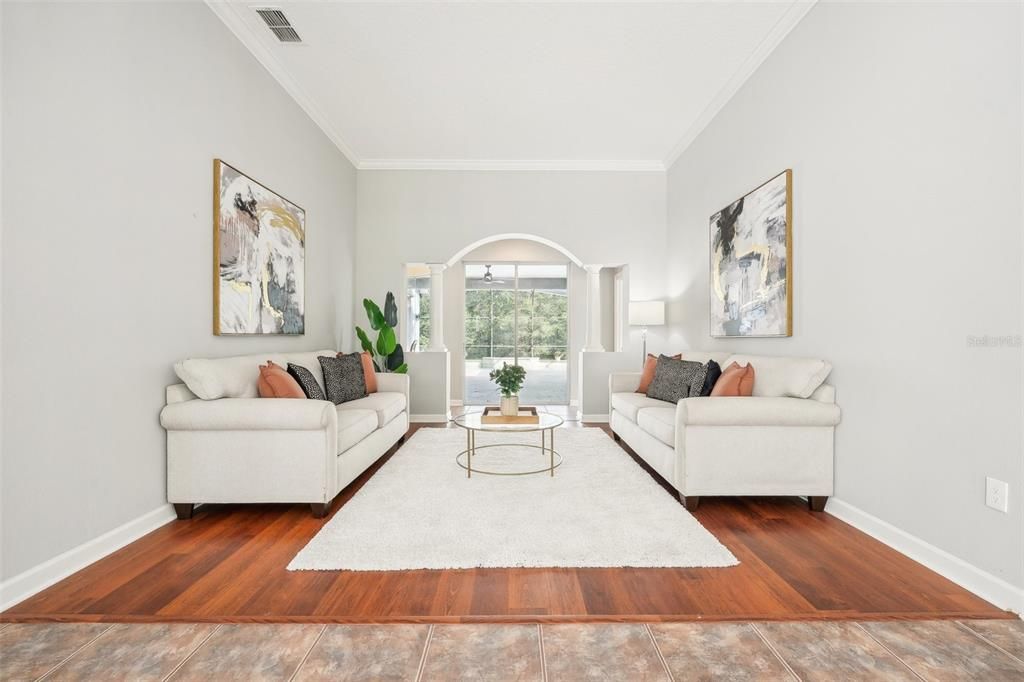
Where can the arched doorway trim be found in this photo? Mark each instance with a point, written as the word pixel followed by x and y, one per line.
pixel 514 235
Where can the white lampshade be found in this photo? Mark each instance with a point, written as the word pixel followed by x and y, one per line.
pixel 646 313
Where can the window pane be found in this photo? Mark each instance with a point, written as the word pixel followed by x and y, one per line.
pixel 504 353
pixel 416 335
pixel 543 333
pixel 503 321
pixel 478 303
pixel 503 329
pixel 478 332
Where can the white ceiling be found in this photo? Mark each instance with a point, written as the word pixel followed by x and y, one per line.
pixel 505 84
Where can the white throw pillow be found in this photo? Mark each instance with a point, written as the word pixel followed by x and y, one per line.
pixel 237 377
pixel 776 377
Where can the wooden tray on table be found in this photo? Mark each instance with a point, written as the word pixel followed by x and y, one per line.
pixel 527 415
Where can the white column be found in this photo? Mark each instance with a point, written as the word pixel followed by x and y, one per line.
pixel 593 344
pixel 437 307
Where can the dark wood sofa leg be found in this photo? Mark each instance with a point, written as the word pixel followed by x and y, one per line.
pixel 817 503
pixel 691 502
pixel 183 510
pixel 319 509
pixel 615 437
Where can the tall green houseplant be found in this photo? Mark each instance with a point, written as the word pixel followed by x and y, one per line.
pixel 386 352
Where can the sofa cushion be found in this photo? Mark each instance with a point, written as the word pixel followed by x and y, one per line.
pixel 660 422
pixel 276 382
pixel 353 426
pixel 735 382
pixel 237 377
pixel 627 404
pixel 713 371
pixel 676 379
pixel 779 377
pixel 386 405
pixel 343 377
pixel 647 375
pixel 307 381
pixel 369 373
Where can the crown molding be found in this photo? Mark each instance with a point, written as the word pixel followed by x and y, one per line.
pixel 786 23
pixel 513 165
pixel 228 13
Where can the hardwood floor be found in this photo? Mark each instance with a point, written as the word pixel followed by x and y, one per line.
pixel 227 564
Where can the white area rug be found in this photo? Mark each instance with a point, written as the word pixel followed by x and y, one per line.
pixel 599 510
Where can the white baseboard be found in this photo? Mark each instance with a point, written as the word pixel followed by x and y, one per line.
pixel 599 418
pixel 429 418
pixel 970 577
pixel 36 579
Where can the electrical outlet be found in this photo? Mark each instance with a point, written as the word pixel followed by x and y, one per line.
pixel 996 492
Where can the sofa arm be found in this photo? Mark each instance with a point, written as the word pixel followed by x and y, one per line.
pixel 826 393
pixel 249 414
pixel 389 382
pixel 178 393
pixel 749 411
pixel 623 382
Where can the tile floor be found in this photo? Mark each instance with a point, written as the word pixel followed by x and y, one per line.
pixel 893 650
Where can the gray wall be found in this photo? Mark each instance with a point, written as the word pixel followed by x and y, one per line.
pixel 429 216
pixel 112 116
pixel 902 124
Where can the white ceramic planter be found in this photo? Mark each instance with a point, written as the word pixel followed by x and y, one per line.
pixel 509 406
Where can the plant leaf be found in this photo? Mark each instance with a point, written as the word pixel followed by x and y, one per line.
pixel 396 358
pixel 386 341
pixel 401 369
pixel 374 314
pixel 364 340
pixel 390 310
pixel 509 378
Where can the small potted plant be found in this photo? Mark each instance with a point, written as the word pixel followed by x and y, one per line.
pixel 510 379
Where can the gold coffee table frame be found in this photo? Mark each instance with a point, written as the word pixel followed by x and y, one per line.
pixel 472 424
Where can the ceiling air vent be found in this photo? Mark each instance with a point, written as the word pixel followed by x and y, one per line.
pixel 278 23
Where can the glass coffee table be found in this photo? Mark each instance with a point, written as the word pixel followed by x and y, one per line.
pixel 472 424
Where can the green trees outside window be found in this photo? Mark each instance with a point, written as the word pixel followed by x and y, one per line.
pixel 490 324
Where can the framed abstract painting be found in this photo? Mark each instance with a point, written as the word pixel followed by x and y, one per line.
pixel 259 257
pixel 751 262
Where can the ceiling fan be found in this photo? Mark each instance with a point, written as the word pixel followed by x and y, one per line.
pixel 489 278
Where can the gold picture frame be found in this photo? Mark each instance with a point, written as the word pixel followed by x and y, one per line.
pixel 259 257
pixel 744 302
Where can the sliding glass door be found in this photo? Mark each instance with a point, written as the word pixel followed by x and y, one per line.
pixel 517 313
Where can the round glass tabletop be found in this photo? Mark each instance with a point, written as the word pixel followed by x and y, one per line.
pixel 472 421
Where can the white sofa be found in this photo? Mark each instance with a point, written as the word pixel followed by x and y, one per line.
pixel 227 445
pixel 777 442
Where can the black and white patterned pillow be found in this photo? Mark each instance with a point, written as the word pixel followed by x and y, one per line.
pixel 307 381
pixel 713 373
pixel 676 379
pixel 343 377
